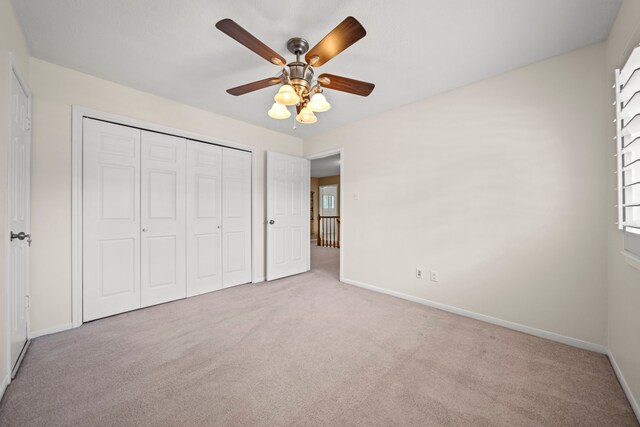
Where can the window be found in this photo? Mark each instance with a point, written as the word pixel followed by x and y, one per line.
pixel 628 150
pixel 328 202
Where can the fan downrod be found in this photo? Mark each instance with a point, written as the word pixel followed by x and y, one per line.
pixel 298 46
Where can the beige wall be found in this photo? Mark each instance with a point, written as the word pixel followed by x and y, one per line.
pixel 499 186
pixel 330 180
pixel 55 89
pixel 11 41
pixel 624 280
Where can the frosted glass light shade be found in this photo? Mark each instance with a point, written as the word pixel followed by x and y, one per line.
pixel 306 116
pixel 279 111
pixel 318 103
pixel 287 96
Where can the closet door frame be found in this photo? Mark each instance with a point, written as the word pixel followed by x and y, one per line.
pixel 77 116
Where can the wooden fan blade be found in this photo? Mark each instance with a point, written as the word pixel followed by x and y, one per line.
pixel 242 36
pixel 250 87
pixel 344 35
pixel 344 84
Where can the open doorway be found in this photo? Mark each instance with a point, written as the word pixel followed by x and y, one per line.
pixel 325 208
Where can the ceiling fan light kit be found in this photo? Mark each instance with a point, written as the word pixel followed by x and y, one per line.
pixel 279 112
pixel 287 96
pixel 318 103
pixel 299 86
pixel 306 116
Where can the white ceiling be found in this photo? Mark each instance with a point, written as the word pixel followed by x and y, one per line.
pixel 326 166
pixel 413 49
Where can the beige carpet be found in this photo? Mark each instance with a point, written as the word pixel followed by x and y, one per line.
pixel 307 350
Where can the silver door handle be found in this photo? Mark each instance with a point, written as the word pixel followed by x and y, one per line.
pixel 272 222
pixel 20 236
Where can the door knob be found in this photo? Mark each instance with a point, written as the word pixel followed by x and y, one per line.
pixel 144 230
pixel 272 222
pixel 20 236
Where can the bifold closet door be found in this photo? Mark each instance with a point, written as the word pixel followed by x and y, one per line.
pixel 204 218
pixel 236 217
pixel 163 225
pixel 163 218
pixel 110 219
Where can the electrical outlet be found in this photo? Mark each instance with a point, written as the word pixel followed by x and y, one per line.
pixel 434 276
pixel 419 273
pixel 356 195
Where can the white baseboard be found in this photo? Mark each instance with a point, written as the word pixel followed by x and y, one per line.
pixel 500 322
pixel 5 384
pixel 48 331
pixel 631 259
pixel 258 280
pixel 625 386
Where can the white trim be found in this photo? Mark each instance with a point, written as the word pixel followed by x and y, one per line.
pixel 489 319
pixel 254 217
pixel 78 113
pixel 49 331
pixel 5 383
pixel 308 209
pixel 13 71
pixel 321 155
pixel 76 216
pixel 618 141
pixel 7 227
pixel 627 391
pixel 631 259
pixel 258 279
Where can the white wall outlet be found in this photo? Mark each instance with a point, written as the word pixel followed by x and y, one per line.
pixel 434 276
pixel 356 195
pixel 419 273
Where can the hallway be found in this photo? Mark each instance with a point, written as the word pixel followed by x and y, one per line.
pixel 325 260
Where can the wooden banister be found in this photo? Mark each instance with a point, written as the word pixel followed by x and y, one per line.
pixel 329 231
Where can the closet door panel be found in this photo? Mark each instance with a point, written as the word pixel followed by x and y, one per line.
pixel 111 219
pixel 163 218
pixel 204 209
pixel 236 218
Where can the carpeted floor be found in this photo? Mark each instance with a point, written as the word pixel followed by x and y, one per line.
pixel 307 350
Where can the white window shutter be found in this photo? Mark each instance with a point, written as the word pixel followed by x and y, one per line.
pixel 627 89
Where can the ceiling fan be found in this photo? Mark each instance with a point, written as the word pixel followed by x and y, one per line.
pixel 299 86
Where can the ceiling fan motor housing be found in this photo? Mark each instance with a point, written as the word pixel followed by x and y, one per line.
pixel 297 46
pixel 300 74
pixel 300 78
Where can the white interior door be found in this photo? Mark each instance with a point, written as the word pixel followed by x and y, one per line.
pixel 287 215
pixel 163 242
pixel 111 219
pixel 19 165
pixel 236 217
pixel 204 218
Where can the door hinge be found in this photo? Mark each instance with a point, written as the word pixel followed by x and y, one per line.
pixel 27 302
pixel 28 123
